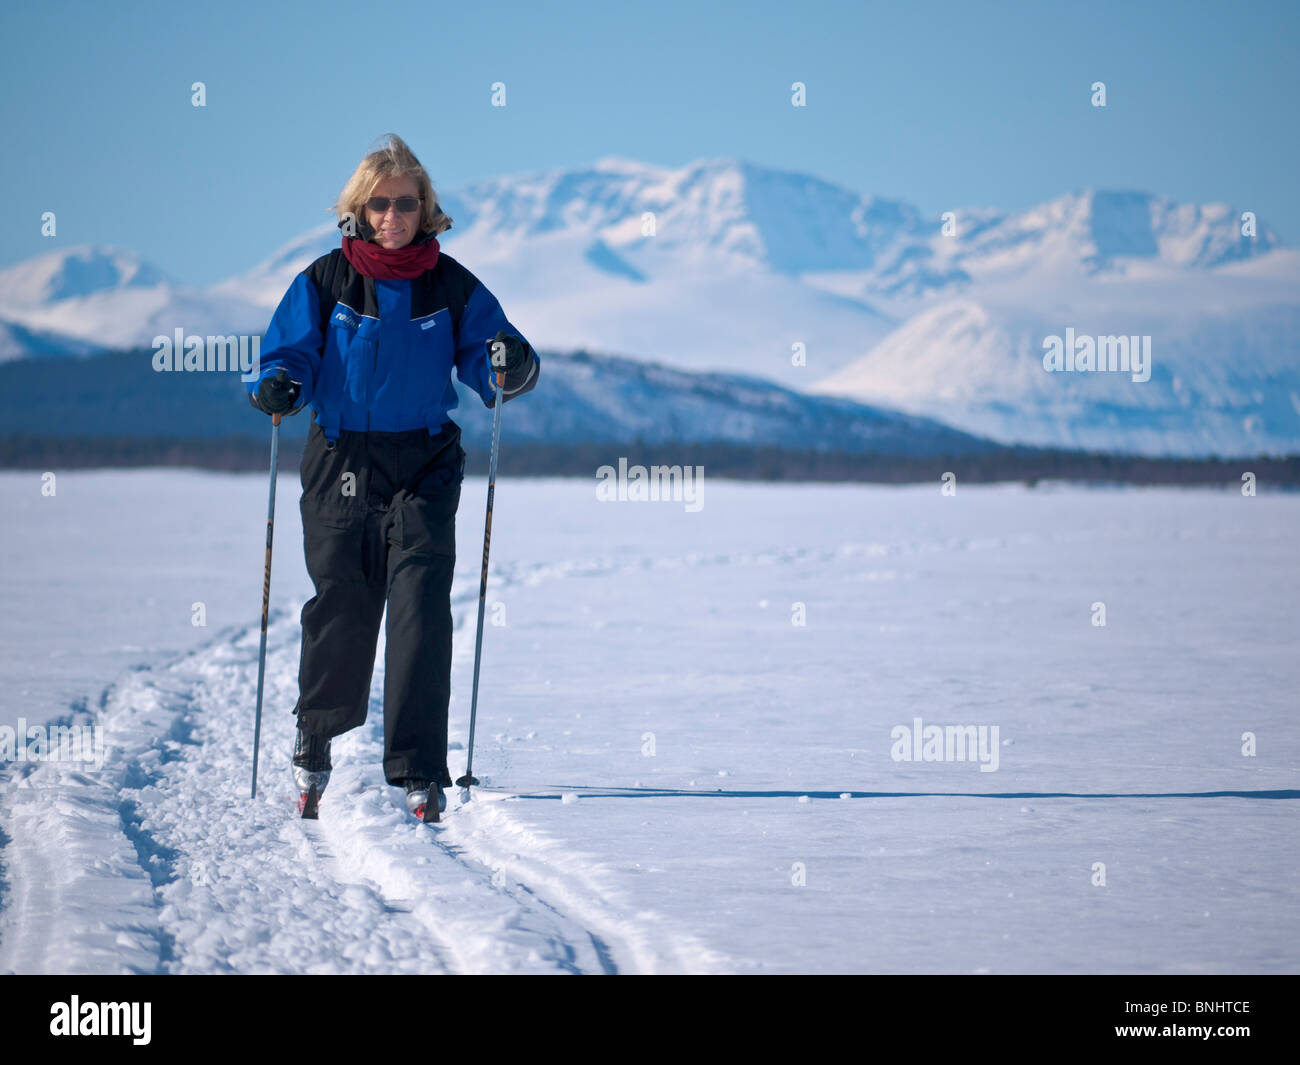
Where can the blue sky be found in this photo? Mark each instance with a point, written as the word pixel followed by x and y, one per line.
pixel 943 104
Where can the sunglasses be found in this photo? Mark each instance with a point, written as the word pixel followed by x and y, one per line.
pixel 405 204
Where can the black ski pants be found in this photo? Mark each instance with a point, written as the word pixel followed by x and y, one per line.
pixel 379 527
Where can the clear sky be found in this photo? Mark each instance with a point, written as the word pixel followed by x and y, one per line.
pixel 943 104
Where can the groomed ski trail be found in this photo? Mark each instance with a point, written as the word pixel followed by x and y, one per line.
pixel 159 862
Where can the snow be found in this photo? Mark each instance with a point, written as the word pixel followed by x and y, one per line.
pixel 102 576
pixel 677 778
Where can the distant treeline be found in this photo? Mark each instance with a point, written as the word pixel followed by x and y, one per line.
pixel 46 452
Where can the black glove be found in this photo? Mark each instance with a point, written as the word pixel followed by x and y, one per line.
pixel 276 395
pixel 517 358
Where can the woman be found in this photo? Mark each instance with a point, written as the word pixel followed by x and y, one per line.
pixel 368 336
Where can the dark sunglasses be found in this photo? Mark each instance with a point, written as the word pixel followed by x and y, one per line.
pixel 405 204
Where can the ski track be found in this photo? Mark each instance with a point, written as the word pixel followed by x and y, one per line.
pixel 159 862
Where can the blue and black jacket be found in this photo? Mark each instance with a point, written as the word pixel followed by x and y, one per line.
pixel 378 355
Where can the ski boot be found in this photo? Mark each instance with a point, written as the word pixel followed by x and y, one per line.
pixel 425 800
pixel 311 771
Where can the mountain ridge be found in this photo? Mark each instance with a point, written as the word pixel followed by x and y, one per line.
pixel 726 265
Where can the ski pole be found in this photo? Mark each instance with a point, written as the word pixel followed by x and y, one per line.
pixel 464 782
pixel 266 596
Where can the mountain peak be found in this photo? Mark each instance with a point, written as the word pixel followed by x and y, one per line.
pixel 1112 224
pixel 80 270
pixel 622 164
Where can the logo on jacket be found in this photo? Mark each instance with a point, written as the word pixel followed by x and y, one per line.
pixel 430 323
pixel 346 319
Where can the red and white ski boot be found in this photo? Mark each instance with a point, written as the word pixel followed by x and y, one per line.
pixel 425 800
pixel 311 772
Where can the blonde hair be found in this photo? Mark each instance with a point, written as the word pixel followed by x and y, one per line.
pixel 393 159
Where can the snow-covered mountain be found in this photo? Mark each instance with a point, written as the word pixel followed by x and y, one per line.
pixel 729 266
pixel 263 285
pixel 603 398
pixel 84 299
pixel 1225 384
pixel 1094 232
pixel 695 267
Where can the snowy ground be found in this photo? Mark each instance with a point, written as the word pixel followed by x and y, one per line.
pixel 680 778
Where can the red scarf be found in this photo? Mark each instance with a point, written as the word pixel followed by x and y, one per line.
pixel 391 264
